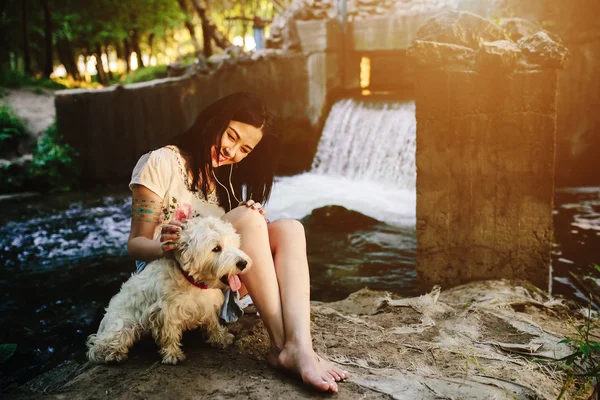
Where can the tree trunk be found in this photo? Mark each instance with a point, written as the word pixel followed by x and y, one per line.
pixel 150 44
pixel 135 45
pixel 189 25
pixel 206 39
pixel 67 58
pixel 102 78
pixel 5 44
pixel 207 25
pixel 49 62
pixel 109 72
pixel 26 46
pixel 127 55
pixel 244 30
pixel 37 54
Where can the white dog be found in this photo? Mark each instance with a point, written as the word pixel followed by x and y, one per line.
pixel 173 295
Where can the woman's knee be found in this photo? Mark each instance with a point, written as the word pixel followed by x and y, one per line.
pixel 287 226
pixel 243 218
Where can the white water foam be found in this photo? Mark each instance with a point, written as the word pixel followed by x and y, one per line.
pixel 296 197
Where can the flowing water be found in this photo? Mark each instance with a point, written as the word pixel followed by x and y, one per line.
pixel 64 255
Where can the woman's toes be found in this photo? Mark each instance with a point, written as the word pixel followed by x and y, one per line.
pixel 342 374
pixel 331 385
pixel 335 376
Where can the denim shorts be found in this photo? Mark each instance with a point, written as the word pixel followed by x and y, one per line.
pixel 231 310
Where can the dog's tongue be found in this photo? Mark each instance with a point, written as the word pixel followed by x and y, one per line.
pixel 234 283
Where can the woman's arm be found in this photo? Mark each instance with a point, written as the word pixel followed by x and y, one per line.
pixel 145 215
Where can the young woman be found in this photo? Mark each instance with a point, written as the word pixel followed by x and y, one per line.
pixel 226 155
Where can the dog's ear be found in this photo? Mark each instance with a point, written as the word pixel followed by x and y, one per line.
pixel 182 253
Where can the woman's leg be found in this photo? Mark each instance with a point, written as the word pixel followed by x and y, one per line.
pixel 262 284
pixel 260 280
pixel 288 244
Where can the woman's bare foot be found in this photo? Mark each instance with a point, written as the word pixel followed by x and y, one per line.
pixel 303 361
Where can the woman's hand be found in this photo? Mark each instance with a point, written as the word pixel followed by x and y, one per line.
pixel 255 206
pixel 170 234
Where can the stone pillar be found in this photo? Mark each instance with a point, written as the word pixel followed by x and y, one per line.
pixel 486 127
pixel 321 42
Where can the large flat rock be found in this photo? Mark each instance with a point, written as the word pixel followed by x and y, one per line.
pixel 477 341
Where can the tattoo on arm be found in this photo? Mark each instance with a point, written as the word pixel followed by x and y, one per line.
pixel 143 210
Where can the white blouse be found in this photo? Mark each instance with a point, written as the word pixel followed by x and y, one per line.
pixel 163 172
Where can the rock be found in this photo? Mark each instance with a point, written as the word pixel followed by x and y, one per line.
pixel 338 218
pixel 431 54
pixel 201 65
pixel 265 53
pixel 517 28
pixel 454 38
pixel 176 69
pixel 543 52
pixel 460 28
pixel 216 61
pixel 234 51
pixel 283 34
pixel 427 347
pixel 502 54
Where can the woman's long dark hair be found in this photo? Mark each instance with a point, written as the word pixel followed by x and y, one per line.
pixel 254 175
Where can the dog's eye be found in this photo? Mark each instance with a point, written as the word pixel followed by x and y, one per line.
pixel 217 249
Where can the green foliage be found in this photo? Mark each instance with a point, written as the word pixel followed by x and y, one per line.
pixel 13 178
pixel 53 166
pixel 146 74
pixel 13 79
pixel 105 21
pixel 12 131
pixel 6 351
pixel 583 365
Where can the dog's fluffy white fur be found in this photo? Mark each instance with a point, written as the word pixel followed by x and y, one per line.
pixel 162 301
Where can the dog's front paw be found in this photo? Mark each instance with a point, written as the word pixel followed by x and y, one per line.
pixel 172 357
pixel 221 340
pixel 115 357
pixel 100 354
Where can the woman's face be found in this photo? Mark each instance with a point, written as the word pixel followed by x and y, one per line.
pixel 238 140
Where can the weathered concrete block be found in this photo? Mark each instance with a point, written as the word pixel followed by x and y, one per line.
pixel 385 33
pixel 486 126
pixel 323 77
pixel 390 70
pixel 351 69
pixel 320 36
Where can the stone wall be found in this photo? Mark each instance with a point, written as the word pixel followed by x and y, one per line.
pixel 486 126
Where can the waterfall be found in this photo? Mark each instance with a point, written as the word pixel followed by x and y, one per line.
pixel 365 162
pixel 369 140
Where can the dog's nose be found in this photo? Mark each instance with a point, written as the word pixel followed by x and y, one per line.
pixel 241 264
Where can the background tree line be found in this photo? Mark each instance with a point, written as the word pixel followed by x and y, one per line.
pixel 36 35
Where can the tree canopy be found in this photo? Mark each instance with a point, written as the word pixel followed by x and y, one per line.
pixel 37 35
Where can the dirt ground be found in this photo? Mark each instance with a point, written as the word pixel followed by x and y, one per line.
pixel 477 341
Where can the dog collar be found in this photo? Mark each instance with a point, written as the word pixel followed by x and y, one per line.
pixel 191 280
